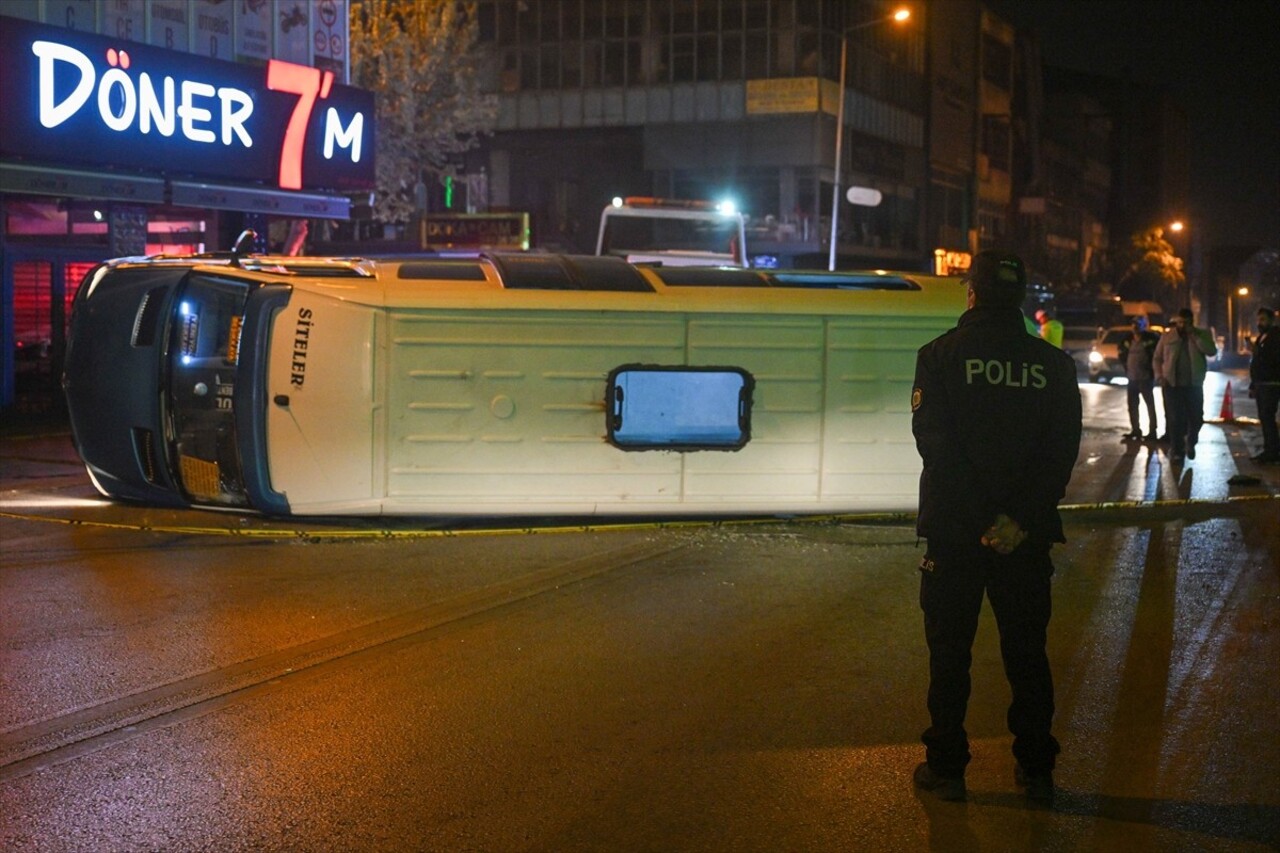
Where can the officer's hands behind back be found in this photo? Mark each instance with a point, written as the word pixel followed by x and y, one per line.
pixel 1004 536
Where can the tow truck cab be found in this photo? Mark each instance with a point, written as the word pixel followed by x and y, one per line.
pixel 673 232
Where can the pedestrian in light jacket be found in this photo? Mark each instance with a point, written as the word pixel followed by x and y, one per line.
pixel 1180 363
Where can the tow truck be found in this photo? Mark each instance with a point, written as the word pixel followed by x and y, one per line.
pixel 673 232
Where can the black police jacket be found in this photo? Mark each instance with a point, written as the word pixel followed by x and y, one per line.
pixel 1264 367
pixel 996 417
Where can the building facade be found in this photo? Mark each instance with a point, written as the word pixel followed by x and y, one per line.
pixel 148 126
pixel 710 100
pixel 950 121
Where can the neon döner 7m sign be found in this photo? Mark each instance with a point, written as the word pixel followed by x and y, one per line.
pixel 191 107
pixel 112 103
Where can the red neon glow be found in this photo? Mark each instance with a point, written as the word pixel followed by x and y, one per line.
pixel 306 83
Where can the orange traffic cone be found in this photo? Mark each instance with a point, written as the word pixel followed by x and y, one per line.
pixel 1227 415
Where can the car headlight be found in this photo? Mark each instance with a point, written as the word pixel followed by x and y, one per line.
pixel 1095 357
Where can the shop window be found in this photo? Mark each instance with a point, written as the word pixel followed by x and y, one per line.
pixel 30 219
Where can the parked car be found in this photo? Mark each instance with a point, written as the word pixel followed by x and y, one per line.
pixel 1104 355
pixel 1077 342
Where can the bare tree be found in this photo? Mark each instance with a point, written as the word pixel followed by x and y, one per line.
pixel 418 57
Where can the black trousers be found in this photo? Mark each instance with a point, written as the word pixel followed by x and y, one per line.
pixel 953 579
pixel 1144 389
pixel 1186 415
pixel 1268 404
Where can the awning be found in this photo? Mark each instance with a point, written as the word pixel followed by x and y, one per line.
pixel 71 183
pixel 259 200
pixel 28 179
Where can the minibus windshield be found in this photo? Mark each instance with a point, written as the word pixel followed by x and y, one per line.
pixel 204 354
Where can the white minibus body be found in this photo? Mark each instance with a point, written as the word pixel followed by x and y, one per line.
pixel 511 384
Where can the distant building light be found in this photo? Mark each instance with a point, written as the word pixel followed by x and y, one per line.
pixel 864 196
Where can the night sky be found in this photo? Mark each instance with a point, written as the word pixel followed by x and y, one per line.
pixel 1219 60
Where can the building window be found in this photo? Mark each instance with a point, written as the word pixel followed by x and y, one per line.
pixel 708 57
pixel 683 60
pixel 757 54
pixel 997 62
pixel 559 44
pixel 996 141
pixel 731 56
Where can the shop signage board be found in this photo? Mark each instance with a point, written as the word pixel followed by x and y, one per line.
pixel 82 99
pixel 211 29
pixel 124 19
pixel 475 231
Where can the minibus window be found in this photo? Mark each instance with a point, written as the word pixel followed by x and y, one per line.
pixel 203 358
pixel 679 408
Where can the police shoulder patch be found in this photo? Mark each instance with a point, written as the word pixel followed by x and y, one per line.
pixel 916 396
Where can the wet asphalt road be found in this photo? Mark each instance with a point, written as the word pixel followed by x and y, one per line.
pixel 165 685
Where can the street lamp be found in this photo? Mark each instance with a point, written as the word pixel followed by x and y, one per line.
pixel 1233 334
pixel 1190 264
pixel 898 16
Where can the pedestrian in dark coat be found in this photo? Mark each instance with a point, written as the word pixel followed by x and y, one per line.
pixel 1135 353
pixel 996 418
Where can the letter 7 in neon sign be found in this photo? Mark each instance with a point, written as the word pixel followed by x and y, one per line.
pixel 307 84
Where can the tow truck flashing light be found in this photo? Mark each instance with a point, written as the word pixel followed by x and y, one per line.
pixel 727 207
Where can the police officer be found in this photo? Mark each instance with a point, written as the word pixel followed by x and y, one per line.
pixel 1050 329
pixel 996 417
pixel 1264 382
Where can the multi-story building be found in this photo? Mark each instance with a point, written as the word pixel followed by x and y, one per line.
pixel 1064 194
pixel 738 98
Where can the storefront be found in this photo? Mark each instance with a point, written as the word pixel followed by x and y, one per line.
pixel 111 148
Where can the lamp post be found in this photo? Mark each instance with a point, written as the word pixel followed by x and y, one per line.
pixel 1233 334
pixel 1191 262
pixel 899 16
